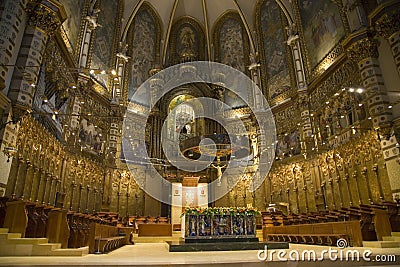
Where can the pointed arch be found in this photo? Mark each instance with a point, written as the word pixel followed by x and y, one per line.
pixel 275 55
pixel 231 42
pixel 175 42
pixel 144 45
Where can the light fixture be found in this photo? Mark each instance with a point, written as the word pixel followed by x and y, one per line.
pixel 390 106
pixel 351 90
pixel 360 90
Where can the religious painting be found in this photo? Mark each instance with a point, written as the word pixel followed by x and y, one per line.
pixel 288 144
pixel 231 47
pixel 187 40
pixel 72 24
pixel 322 26
pixel 90 136
pixel 274 48
pixel 104 39
pixel 144 48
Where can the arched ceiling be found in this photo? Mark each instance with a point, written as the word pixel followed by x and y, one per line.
pixel 206 12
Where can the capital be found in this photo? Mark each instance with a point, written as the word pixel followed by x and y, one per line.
pixel 388 24
pixel 46 15
pixel 362 49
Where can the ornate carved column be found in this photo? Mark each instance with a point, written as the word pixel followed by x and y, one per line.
pixel 90 25
pixel 303 101
pixel 365 53
pixel 255 71
pixel 120 65
pixel 10 190
pixel 44 17
pixel 27 181
pixel 35 184
pixel 386 19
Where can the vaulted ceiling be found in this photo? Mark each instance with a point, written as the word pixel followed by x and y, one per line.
pixel 206 12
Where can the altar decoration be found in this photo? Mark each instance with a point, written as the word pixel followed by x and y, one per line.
pixel 219 222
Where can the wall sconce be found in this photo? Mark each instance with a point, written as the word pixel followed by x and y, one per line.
pixel 9 152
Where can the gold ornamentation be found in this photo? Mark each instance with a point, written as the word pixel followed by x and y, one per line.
pixel 388 24
pixel 363 49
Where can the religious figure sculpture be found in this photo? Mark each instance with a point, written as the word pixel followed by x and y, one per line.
pixel 219 170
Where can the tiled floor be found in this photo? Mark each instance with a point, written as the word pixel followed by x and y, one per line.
pixel 156 254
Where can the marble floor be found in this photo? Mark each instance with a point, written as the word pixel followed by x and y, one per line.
pixel 157 254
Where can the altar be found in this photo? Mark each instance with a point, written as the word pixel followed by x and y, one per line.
pixel 219 223
pixel 220 229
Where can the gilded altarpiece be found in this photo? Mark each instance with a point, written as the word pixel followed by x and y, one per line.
pixel 333 179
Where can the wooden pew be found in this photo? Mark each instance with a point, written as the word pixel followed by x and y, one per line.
pixel 394 215
pixel 317 234
pixel 105 238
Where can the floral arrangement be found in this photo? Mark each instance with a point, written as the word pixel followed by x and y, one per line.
pixel 211 211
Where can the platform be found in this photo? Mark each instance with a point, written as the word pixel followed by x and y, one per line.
pixel 182 246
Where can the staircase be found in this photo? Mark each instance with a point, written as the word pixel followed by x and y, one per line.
pixel 392 241
pixel 11 244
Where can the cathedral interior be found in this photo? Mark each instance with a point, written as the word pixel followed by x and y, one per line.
pixel 91 116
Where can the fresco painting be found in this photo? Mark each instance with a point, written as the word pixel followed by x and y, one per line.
pixel 273 38
pixel 143 51
pixel 322 26
pixel 72 24
pixel 103 44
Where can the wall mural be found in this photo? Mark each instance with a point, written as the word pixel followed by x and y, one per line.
pixel 72 24
pixel 322 28
pixel 273 45
pixel 231 47
pixel 142 50
pixel 187 38
pixel 90 136
pixel 103 44
pixel 288 144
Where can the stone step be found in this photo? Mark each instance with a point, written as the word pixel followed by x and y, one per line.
pixel 395 233
pixel 381 244
pixel 155 239
pixel 44 249
pixel 27 241
pixel 83 251
pixel 3 230
pixel 391 238
pixel 6 236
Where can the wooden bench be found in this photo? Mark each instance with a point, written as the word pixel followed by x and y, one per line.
pixel 155 229
pixel 311 239
pixel 108 244
pixel 317 234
